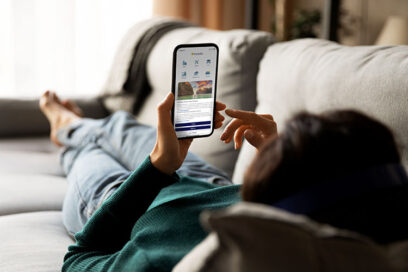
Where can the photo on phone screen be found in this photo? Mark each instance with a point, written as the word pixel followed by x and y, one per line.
pixel 195 68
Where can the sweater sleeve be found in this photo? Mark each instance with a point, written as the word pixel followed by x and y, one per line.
pixel 108 231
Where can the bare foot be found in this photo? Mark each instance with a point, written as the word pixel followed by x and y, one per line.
pixel 59 114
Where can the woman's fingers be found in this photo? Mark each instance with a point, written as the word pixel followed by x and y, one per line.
pixel 218 120
pixel 217 125
pixel 230 129
pixel 250 117
pixel 241 114
pixel 240 118
pixel 238 136
pixel 267 116
pixel 263 122
pixel 254 137
pixel 254 127
pixel 219 106
pixel 219 117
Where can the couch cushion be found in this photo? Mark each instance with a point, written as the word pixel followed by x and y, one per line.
pixel 239 56
pixel 30 192
pixel 29 155
pixel 318 75
pixel 35 242
pixel 257 238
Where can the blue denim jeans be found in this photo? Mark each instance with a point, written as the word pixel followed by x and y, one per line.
pixel 100 154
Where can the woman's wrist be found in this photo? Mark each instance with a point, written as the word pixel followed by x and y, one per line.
pixel 160 164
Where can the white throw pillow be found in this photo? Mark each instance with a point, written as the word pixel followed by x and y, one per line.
pixel 251 237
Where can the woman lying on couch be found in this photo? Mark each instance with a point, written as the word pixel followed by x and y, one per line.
pixel 340 168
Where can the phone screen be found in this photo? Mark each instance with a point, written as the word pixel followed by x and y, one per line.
pixel 195 68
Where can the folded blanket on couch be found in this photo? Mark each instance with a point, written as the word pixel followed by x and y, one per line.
pixel 127 86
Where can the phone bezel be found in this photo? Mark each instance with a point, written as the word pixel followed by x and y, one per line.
pixel 173 82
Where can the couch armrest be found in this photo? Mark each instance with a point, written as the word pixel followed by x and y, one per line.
pixel 22 117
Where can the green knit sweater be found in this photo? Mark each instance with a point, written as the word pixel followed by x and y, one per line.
pixel 148 224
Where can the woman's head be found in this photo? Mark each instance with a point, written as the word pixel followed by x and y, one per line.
pixel 317 148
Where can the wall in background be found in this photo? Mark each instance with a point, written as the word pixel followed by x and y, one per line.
pixel 369 18
pixel 377 13
pixel 64 45
pixel 363 19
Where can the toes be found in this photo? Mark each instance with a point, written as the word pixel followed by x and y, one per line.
pixel 66 103
pixel 54 97
pixel 69 105
pixel 45 99
pixel 48 98
pixel 57 99
pixel 45 94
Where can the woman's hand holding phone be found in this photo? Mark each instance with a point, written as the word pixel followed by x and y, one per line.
pixel 256 128
pixel 169 152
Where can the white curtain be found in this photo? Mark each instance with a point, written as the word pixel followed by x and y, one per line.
pixel 62 45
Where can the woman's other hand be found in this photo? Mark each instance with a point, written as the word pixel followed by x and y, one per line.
pixel 256 128
pixel 169 152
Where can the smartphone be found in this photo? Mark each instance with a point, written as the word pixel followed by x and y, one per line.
pixel 194 85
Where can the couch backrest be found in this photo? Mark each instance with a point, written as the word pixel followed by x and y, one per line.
pixel 318 75
pixel 23 117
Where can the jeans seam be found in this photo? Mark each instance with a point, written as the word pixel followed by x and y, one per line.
pixel 83 203
pixel 103 136
pixel 98 135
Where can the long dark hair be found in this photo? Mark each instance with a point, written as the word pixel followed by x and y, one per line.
pixel 316 148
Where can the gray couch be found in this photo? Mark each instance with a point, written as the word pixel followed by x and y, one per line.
pixel 254 74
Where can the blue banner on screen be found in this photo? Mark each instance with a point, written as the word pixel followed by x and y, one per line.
pixel 192 128
pixel 193 124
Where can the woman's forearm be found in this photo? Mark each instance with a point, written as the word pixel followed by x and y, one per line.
pixel 109 229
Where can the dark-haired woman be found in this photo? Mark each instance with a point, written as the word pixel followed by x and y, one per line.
pixel 341 168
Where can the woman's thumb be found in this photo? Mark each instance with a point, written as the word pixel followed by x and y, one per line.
pixel 164 110
pixel 167 103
